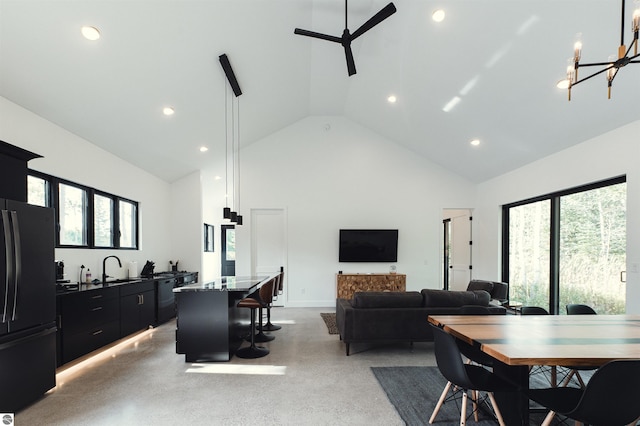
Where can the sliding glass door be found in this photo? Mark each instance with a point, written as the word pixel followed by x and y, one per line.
pixel 529 253
pixel 592 248
pixel 568 247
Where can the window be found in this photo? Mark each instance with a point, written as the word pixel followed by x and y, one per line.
pixel 102 221
pixel 568 247
pixel 72 215
pixel 230 244
pixel 128 214
pixel 87 218
pixel 208 237
pixel 38 191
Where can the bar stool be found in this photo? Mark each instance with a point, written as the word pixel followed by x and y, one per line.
pixel 274 295
pixel 252 351
pixel 264 297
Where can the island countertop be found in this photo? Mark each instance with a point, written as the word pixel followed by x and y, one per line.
pixel 230 283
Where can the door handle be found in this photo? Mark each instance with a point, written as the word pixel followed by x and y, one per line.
pixel 97 308
pixel 95 333
pixel 17 258
pixel 6 232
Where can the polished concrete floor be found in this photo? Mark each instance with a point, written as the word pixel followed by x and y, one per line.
pixel 305 380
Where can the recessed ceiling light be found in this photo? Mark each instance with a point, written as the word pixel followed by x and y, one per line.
pixel 90 33
pixel 438 15
pixel 475 142
pixel 217 178
pixel 204 149
pixel 168 110
pixel 392 99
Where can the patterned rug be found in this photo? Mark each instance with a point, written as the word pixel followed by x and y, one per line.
pixel 330 321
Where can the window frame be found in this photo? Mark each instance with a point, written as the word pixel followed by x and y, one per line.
pixel 53 197
pixel 209 246
pixel 554 233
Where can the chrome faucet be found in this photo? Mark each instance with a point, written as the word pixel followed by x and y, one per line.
pixel 104 271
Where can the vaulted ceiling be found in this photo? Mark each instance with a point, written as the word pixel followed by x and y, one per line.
pixel 501 58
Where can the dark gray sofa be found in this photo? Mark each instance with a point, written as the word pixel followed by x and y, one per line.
pixel 401 316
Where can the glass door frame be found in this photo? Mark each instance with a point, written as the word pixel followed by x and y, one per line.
pixel 554 235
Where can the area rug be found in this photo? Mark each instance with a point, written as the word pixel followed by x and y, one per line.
pixel 414 392
pixel 330 321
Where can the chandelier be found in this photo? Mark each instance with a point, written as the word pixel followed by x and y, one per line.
pixel 612 66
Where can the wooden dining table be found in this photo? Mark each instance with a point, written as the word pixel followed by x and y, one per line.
pixel 517 342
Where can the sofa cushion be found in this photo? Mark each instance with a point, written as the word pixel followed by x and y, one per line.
pixel 454 299
pixel 386 299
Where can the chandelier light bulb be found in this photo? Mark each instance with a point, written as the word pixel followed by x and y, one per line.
pixel 636 20
pixel 577 50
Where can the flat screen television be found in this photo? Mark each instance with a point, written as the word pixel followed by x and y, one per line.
pixel 368 245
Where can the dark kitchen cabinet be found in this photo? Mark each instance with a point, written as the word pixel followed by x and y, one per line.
pixel 87 320
pixel 165 300
pixel 137 307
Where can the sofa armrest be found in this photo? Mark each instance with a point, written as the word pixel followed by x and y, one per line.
pixel 342 307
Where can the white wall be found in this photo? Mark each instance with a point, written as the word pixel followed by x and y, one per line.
pixel 213 193
pixel 612 154
pixel 186 230
pixel 70 157
pixel 330 173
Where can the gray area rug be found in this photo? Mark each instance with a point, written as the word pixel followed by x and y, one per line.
pixel 330 321
pixel 414 392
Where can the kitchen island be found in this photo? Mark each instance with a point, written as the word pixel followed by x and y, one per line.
pixel 210 326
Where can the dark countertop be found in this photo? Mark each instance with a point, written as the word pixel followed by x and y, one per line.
pixel 225 284
pixel 72 288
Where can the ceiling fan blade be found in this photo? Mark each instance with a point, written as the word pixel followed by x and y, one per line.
pixel 307 33
pixel 351 65
pixel 387 11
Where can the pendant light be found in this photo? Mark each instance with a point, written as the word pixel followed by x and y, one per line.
pixel 227 212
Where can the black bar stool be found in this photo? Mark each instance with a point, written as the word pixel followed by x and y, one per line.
pixel 252 351
pixel 274 295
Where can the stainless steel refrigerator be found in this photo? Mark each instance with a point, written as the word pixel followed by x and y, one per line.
pixel 27 304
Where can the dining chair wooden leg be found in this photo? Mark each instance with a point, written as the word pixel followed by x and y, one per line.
pixel 496 409
pixel 463 409
pixel 548 418
pixel 474 400
pixel 568 378
pixel 440 402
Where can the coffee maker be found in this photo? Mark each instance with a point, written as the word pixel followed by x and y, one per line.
pixel 59 265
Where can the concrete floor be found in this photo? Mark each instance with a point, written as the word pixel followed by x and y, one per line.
pixel 305 380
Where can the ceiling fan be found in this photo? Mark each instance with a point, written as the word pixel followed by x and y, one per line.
pixel 347 37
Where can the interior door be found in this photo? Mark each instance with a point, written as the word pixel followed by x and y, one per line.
pixel 459 249
pixel 268 245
